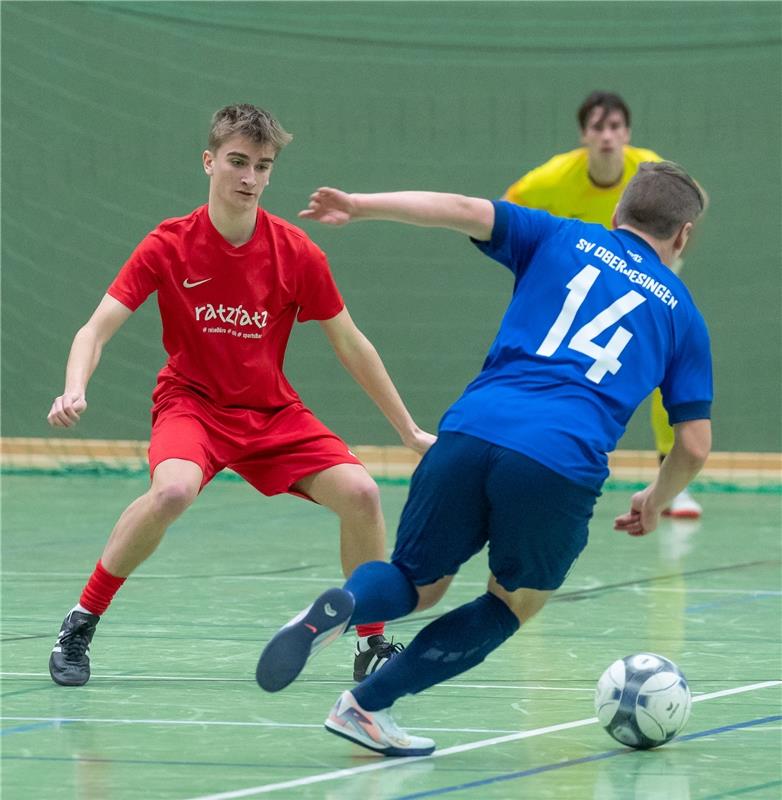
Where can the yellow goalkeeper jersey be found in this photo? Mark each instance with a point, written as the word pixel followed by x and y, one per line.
pixel 562 186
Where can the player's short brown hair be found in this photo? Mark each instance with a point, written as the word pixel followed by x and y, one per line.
pixel 608 101
pixel 659 199
pixel 255 123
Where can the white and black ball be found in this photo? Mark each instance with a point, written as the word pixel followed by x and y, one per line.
pixel 643 700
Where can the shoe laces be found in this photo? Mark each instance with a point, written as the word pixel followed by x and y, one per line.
pixel 75 642
pixel 386 649
pixel 385 721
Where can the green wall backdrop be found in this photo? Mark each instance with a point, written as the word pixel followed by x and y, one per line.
pixel 105 110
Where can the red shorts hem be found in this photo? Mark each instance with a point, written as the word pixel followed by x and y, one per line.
pixel 270 450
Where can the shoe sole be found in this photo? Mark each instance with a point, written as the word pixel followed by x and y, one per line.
pixel 286 654
pixel 393 752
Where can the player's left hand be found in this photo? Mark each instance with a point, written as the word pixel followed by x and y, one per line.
pixel 329 206
pixel 419 440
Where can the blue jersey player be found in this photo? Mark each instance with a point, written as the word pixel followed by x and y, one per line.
pixel 596 322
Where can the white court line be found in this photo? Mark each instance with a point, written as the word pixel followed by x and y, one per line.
pixel 513 687
pixel 391 763
pixel 462 748
pixel 737 690
pixel 110 721
pixel 685 590
pixel 500 686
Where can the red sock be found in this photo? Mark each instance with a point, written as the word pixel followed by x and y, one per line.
pixel 370 629
pixel 100 590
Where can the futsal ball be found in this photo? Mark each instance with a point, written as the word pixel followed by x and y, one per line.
pixel 643 700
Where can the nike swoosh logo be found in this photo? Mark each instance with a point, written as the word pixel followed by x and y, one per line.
pixel 329 611
pixel 191 284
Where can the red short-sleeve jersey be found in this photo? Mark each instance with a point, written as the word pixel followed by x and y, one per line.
pixel 228 311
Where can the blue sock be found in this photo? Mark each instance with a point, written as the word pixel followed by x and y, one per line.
pixel 382 592
pixel 452 644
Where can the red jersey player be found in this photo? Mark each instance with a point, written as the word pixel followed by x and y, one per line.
pixel 231 279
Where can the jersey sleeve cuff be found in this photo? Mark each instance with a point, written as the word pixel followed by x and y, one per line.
pixel 320 315
pixel 500 229
pixel 686 412
pixel 120 297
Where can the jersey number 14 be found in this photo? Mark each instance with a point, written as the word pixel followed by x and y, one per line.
pixel 606 357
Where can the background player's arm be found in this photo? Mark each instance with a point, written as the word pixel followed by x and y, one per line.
pixel 470 215
pixel 86 349
pixel 359 357
pixel 691 447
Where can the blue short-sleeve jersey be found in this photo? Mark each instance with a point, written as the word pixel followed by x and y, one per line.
pixel 596 322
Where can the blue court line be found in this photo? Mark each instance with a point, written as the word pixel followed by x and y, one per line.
pixel 732 601
pixel 147 762
pixel 35 726
pixel 510 776
pixel 743 790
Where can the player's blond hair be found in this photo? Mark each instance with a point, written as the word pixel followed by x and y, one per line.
pixel 255 123
pixel 659 199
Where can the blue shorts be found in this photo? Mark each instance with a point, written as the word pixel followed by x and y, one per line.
pixel 467 492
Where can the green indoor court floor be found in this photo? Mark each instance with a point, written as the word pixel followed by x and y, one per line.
pixel 173 710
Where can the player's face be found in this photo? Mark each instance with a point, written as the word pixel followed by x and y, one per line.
pixel 605 134
pixel 239 172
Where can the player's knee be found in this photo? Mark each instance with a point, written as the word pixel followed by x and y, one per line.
pixel 426 601
pixel 521 613
pixel 363 497
pixel 432 593
pixel 171 499
pixel 524 603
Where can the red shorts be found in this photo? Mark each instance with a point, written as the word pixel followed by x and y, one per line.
pixel 270 450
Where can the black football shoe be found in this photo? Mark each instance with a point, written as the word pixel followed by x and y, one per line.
pixel 69 663
pixel 379 652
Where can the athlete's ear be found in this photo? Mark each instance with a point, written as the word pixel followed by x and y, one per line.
pixel 681 237
pixel 208 160
pixel 613 218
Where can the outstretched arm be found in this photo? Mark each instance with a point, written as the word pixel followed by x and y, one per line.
pixel 691 447
pixel 87 345
pixel 361 360
pixel 469 215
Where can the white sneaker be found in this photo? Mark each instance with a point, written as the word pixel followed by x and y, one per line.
pixel 375 730
pixel 309 631
pixel 683 506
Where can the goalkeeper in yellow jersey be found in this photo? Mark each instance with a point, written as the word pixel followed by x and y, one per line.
pixel 586 184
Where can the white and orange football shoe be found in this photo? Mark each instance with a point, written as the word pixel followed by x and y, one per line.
pixel 375 730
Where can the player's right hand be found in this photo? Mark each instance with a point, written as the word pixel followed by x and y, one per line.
pixel 643 516
pixel 329 206
pixel 66 410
